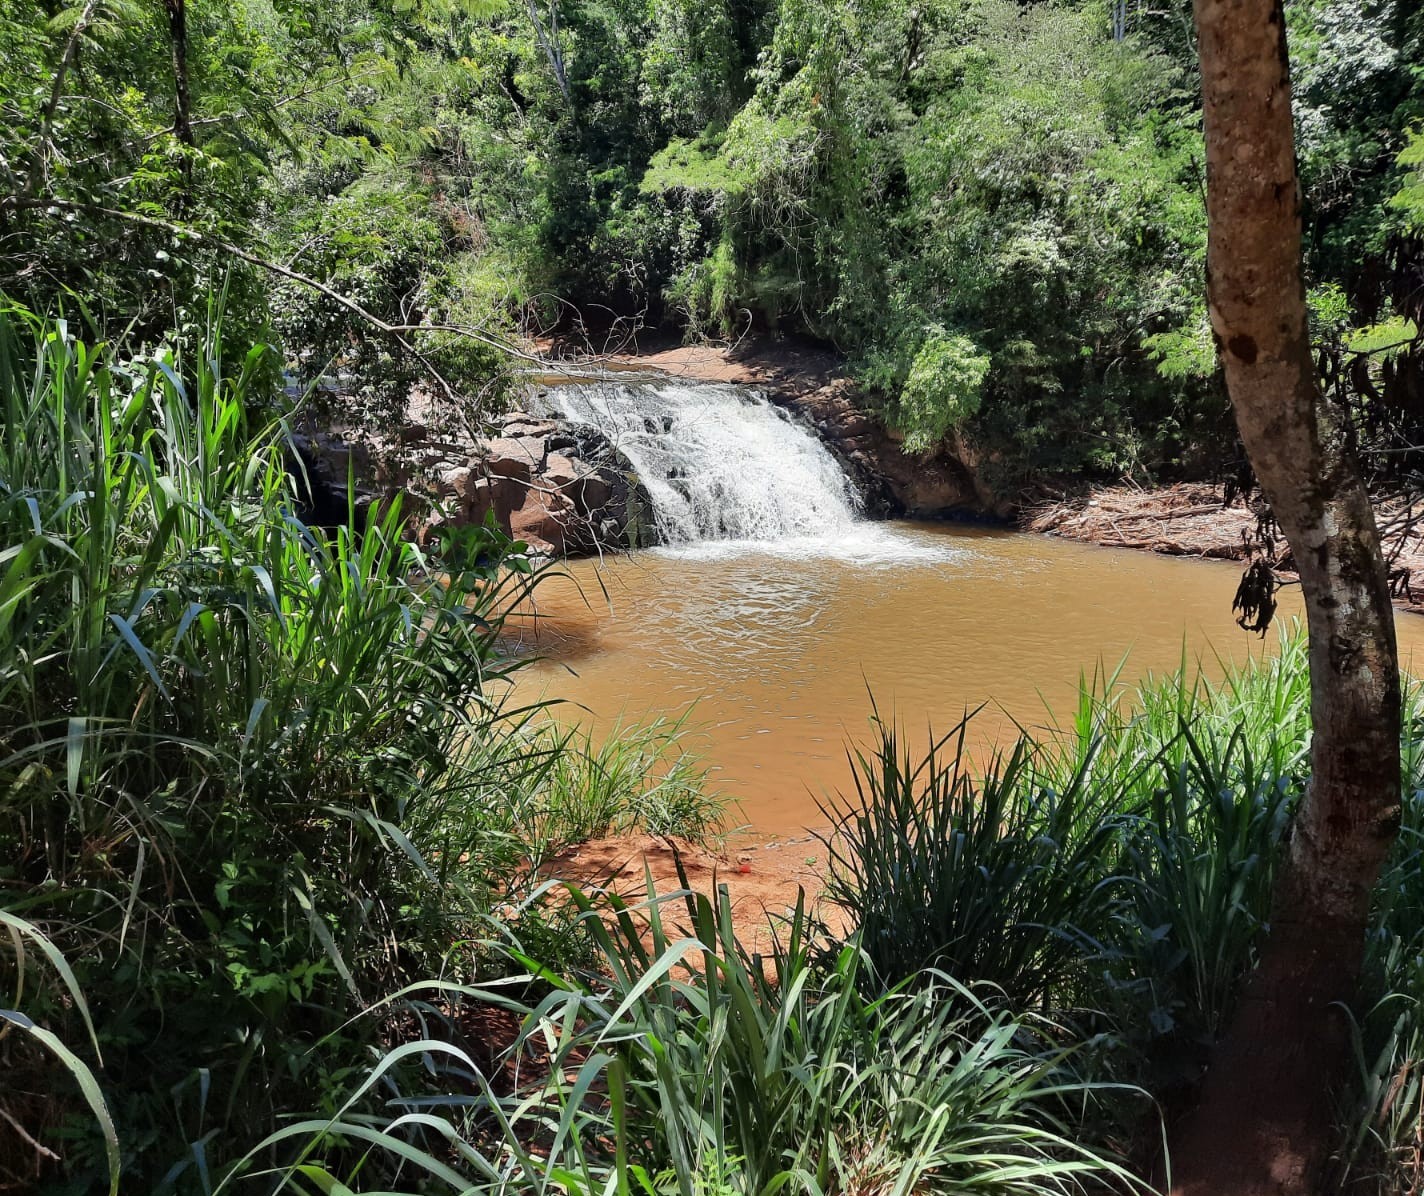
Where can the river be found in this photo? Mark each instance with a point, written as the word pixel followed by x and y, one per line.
pixel 776 642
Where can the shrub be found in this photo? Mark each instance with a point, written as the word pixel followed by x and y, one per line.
pixel 999 876
pixel 942 390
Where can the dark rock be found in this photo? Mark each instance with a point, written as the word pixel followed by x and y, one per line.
pixel 592 493
pixel 936 484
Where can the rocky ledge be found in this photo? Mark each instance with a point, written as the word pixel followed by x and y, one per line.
pixel 563 489
pixel 810 382
pixel 566 490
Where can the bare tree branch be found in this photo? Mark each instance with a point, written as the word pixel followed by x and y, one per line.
pixel 395 331
pixel 549 41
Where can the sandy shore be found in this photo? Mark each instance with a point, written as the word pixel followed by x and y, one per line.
pixel 764 879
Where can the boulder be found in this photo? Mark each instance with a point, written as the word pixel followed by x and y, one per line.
pixel 512 456
pixel 592 493
pixel 540 528
pixel 562 488
pixel 560 471
pixel 517 424
pixel 460 481
pixel 510 493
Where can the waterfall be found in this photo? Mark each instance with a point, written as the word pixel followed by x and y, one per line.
pixel 720 462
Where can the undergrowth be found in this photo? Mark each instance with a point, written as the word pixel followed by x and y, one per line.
pixel 1043 945
pixel 253 775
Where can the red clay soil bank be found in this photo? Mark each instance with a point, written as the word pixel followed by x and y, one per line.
pixel 1190 520
pixel 763 880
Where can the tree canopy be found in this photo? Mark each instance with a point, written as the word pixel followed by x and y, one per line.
pixel 1023 183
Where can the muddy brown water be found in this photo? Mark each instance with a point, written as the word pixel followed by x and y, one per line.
pixel 777 650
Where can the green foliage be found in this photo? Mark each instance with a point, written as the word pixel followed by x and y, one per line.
pixel 1387 339
pixel 1026 176
pixel 252 774
pixel 248 771
pixel 999 877
pixel 641 777
pixel 291 135
pixel 686 1064
pixel 1410 197
pixel 1120 867
pixel 942 390
pixel 381 244
pixel 20 933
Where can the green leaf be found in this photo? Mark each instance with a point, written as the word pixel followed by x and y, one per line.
pixel 88 1085
pixel 1387 338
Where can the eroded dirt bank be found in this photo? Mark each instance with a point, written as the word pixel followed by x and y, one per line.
pixel 1192 519
pixel 764 880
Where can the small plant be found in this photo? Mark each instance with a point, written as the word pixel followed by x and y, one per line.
pixel 640 777
pixel 16 1021
pixel 1003 877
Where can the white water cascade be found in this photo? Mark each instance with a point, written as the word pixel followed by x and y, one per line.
pixel 720 462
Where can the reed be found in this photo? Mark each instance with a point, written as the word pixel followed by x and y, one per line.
pixel 636 777
pixel 684 1064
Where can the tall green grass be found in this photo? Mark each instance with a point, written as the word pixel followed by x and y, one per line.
pixel 1117 870
pixel 1143 829
pixel 636 777
pixel 40 1040
pixel 685 1065
pixel 998 875
pixel 251 775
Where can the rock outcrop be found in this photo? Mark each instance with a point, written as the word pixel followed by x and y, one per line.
pixel 567 490
pixel 930 485
pixel 563 489
pixel 809 381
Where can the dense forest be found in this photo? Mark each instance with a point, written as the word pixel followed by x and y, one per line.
pixel 281 907
pixel 993 209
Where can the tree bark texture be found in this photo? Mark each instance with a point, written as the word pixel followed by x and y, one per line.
pixel 1263 1124
pixel 182 100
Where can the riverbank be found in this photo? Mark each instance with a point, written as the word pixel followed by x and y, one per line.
pixel 764 879
pixel 1191 520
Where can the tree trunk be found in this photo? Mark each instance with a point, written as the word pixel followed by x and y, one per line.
pixel 178 40
pixel 1264 1121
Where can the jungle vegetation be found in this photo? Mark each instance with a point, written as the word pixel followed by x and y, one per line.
pixel 994 209
pixel 267 812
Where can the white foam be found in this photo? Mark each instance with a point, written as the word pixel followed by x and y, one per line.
pixel 732 475
pixel 865 544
